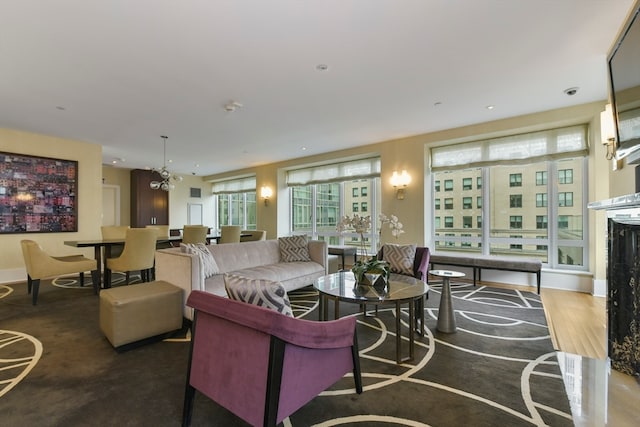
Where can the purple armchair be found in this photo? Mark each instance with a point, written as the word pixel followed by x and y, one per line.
pixel 420 263
pixel 262 365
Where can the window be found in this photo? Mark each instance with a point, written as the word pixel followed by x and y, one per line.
pixel 565 176
pixel 541 200
pixel 235 202
pixel 448 222
pixel 565 199
pixel 563 222
pixel 541 222
pixel 448 203
pixel 553 232
pixel 515 201
pixel 466 184
pixel 516 246
pixel 437 222
pixel 467 222
pixel 364 207
pixel 479 183
pixel 354 192
pixel 448 185
pixel 467 203
pixel 465 240
pixel 437 204
pixel 364 191
pixel 515 221
pixel 354 207
pixel 437 185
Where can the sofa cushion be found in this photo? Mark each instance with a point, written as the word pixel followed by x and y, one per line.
pixel 400 258
pixel 294 248
pixel 208 263
pixel 265 293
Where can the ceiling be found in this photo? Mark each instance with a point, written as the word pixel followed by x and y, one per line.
pixel 121 73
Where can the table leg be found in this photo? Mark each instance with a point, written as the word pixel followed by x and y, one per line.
pixel 336 308
pixel 446 317
pixel 321 304
pixel 412 319
pixel 98 256
pixel 398 334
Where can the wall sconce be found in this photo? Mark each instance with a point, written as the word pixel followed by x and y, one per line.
pixel 266 193
pixel 400 182
pixel 608 131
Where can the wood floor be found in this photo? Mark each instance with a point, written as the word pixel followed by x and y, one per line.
pixel 577 325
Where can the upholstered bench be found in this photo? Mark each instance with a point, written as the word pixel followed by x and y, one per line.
pixel 135 312
pixel 489 262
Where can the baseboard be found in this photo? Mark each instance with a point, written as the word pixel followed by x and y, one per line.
pixel 13 275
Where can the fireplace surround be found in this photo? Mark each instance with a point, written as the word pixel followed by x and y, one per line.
pixel 623 281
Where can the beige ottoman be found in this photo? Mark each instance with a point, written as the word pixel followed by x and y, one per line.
pixel 135 312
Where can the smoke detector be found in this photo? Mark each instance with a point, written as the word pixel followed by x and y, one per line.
pixel 232 106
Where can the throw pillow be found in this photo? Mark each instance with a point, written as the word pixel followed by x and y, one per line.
pixel 208 263
pixel 264 293
pixel 294 248
pixel 400 258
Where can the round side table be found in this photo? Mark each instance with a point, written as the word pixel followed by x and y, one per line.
pixel 446 317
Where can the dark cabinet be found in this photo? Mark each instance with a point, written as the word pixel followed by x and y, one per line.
pixel 148 206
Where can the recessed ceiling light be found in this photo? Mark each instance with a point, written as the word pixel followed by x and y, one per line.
pixel 490 107
pixel 60 108
pixel 437 104
pixel 304 148
pixel 322 67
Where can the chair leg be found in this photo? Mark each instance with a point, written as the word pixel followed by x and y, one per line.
pixel 36 288
pixel 95 276
pixel 107 278
pixel 29 284
pixel 127 276
pixel 355 354
pixel 82 278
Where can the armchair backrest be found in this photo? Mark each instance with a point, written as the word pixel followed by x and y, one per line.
pixel 262 365
pixel 114 232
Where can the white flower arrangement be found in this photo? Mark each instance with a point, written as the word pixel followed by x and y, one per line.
pixel 394 224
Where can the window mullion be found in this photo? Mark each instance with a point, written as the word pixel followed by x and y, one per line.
pixel 552 209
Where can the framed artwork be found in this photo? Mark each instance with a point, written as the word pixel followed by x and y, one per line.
pixel 38 194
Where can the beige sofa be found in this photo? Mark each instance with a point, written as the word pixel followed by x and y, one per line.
pixel 259 259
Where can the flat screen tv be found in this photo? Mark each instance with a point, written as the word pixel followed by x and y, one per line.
pixel 624 80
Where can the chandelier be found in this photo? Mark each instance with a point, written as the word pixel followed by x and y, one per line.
pixel 166 176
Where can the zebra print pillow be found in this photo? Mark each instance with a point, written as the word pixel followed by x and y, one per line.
pixel 294 248
pixel 400 258
pixel 264 293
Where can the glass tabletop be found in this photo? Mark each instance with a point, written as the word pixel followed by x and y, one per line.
pixel 343 285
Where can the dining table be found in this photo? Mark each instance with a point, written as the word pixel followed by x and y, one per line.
pixel 107 244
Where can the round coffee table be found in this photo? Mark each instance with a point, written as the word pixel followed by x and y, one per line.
pixel 400 289
pixel 446 317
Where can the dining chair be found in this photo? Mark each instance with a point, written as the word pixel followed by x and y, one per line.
pixel 195 234
pixel 40 265
pixel 163 236
pixel 138 255
pixel 252 235
pixel 229 234
pixel 114 232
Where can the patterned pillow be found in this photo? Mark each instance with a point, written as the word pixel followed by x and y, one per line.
pixel 294 248
pixel 264 293
pixel 209 265
pixel 400 258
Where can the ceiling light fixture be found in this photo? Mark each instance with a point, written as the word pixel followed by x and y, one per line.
pixel 232 106
pixel 166 176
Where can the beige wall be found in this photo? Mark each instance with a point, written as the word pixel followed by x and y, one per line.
pixel 89 157
pixel 409 153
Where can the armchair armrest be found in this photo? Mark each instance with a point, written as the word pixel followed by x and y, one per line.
pixel 303 333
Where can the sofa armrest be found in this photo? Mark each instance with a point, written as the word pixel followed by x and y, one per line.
pixel 180 269
pixel 318 252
